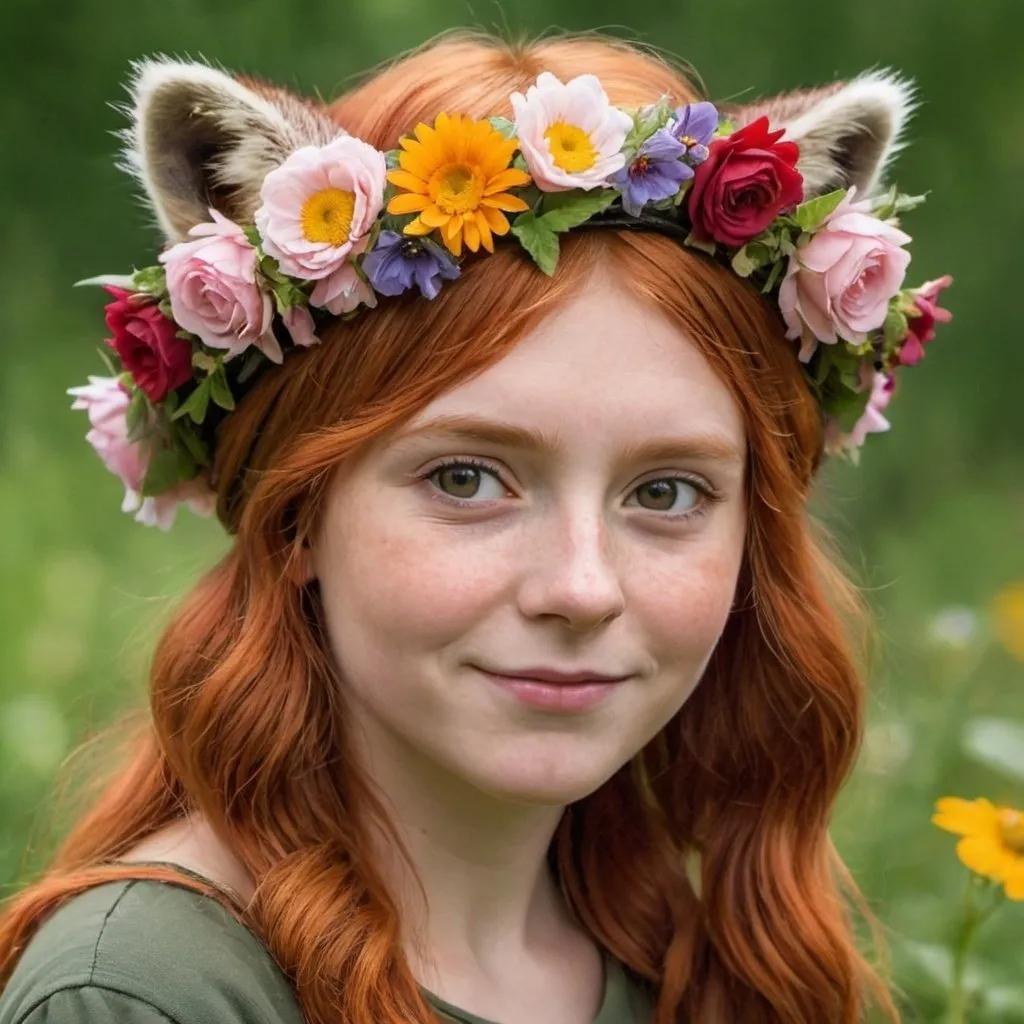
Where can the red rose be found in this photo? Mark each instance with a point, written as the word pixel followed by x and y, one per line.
pixel 746 180
pixel 147 344
pixel 921 328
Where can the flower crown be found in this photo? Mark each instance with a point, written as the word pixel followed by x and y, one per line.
pixel 342 223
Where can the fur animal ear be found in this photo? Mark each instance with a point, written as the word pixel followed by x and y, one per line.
pixel 848 132
pixel 200 138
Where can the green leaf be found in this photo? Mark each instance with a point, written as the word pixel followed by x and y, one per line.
pixel 905 202
pixel 895 326
pixel 125 281
pixel 646 121
pixel 395 222
pixel 565 210
pixel 778 268
pixel 252 233
pixel 709 247
pixel 392 159
pixel 163 473
pixel 884 206
pixel 751 257
pixel 270 269
pixel 530 194
pixel 812 214
pixel 286 295
pixel 196 447
pixel 219 390
pixel 151 280
pixel 251 362
pixel 538 240
pixel 503 126
pixel 196 404
pixel 204 361
pixel 137 415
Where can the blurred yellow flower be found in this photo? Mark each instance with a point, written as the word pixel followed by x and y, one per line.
pixel 1008 616
pixel 993 843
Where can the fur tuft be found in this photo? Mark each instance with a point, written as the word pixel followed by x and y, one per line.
pixel 199 137
pixel 849 132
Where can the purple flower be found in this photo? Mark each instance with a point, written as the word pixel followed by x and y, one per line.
pixel 656 173
pixel 693 127
pixel 398 261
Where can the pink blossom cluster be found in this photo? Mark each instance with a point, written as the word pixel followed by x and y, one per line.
pixel 106 402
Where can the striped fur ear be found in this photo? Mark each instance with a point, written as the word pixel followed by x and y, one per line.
pixel 848 132
pixel 200 138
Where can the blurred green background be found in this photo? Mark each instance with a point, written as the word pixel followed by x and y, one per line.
pixel 933 521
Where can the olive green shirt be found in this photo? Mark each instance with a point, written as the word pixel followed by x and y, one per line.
pixel 147 952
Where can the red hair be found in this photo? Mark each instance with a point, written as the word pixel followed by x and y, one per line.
pixel 246 715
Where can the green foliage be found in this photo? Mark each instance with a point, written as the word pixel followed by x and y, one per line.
pixel 539 240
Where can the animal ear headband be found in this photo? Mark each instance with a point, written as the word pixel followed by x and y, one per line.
pixel 278 222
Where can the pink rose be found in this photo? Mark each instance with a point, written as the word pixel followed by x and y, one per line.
pixel 106 402
pixel 147 344
pixel 922 327
pixel 215 291
pixel 841 281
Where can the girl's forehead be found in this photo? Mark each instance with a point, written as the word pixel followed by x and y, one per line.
pixel 604 358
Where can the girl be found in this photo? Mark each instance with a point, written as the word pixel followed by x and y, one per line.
pixel 527 686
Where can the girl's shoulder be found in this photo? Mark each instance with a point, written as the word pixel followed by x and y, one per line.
pixel 146 952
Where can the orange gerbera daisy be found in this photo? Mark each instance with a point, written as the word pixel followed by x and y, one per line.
pixel 993 843
pixel 455 176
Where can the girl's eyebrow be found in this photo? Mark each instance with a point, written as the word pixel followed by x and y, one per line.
pixel 708 446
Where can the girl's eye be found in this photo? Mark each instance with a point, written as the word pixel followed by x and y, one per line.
pixel 459 482
pixel 462 479
pixel 664 493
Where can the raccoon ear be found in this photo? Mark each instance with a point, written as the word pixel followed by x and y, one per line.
pixel 848 132
pixel 200 138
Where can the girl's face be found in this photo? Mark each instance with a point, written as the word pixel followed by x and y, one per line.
pixel 579 506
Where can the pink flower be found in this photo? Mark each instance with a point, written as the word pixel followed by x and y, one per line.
pixel 570 134
pixel 299 324
pixel 318 209
pixel 215 291
pixel 871 421
pixel 106 402
pixel 147 343
pixel 922 327
pixel 841 281
pixel 342 291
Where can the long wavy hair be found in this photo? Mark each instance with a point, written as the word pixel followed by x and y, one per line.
pixel 246 721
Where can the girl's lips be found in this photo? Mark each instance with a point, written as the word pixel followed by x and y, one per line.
pixel 560 697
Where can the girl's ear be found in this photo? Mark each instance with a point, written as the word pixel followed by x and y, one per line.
pixel 200 138
pixel 848 132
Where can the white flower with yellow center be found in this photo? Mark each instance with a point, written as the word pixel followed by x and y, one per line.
pixel 569 133
pixel 318 209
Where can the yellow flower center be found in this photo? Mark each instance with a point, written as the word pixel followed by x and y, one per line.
pixel 571 148
pixel 687 140
pixel 1011 824
pixel 327 216
pixel 455 188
